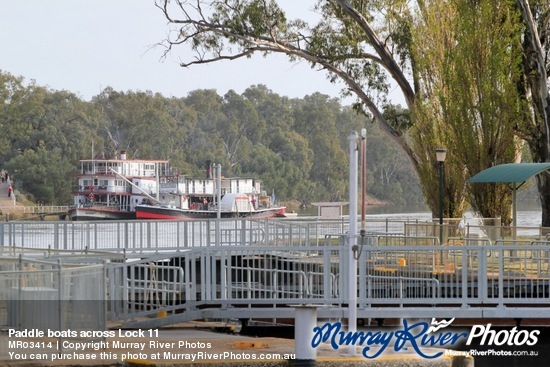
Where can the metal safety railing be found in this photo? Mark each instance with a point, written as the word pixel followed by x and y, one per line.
pixel 465 280
pixel 51 295
pixel 185 270
pixel 147 236
pixel 35 209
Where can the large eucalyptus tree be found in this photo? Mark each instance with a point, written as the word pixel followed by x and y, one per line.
pixel 366 44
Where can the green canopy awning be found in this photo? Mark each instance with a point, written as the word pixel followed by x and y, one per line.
pixel 509 173
pixel 513 173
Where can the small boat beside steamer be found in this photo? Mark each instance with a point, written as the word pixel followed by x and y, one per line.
pixel 232 206
pixel 187 198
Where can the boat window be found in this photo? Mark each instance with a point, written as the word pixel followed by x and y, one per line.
pixel 101 167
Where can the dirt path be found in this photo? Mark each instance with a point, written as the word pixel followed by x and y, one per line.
pixel 5 201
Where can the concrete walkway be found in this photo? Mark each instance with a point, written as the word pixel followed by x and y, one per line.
pixel 5 201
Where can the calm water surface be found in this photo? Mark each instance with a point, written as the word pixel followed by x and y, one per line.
pixel 528 215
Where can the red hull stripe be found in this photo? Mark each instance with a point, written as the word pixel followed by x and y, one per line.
pixel 145 215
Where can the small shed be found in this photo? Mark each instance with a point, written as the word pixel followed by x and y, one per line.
pixel 330 210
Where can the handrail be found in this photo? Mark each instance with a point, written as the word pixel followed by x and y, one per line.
pixel 470 279
pixel 36 208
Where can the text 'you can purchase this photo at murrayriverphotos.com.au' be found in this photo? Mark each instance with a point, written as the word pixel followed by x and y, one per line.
pixel 124 345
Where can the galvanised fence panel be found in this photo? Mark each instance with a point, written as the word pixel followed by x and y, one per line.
pixel 51 295
pixel 147 236
pixel 133 236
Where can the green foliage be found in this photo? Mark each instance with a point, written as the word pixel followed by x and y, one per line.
pixel 469 99
pixel 389 176
pixel 45 174
pixel 298 147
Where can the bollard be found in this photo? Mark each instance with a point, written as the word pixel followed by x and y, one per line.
pixel 304 322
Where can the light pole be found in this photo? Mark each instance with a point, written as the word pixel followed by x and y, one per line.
pixel 352 233
pixel 440 154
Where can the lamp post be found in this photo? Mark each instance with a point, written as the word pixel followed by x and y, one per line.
pixel 440 155
pixel 352 233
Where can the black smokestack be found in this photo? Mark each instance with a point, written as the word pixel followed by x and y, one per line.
pixel 208 169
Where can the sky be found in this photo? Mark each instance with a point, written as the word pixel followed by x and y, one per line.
pixel 84 46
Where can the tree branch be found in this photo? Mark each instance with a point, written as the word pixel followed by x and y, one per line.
pixel 250 43
pixel 387 59
pixel 542 97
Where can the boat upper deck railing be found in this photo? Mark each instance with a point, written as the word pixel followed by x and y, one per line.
pixel 128 171
pixel 125 167
pixel 85 189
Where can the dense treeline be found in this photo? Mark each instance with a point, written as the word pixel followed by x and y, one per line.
pixel 298 147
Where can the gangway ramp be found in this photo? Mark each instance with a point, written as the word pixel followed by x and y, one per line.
pixel 265 282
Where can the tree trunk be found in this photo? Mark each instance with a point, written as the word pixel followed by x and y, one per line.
pixel 536 90
pixel 543 183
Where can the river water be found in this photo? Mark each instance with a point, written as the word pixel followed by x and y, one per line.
pixel 528 215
